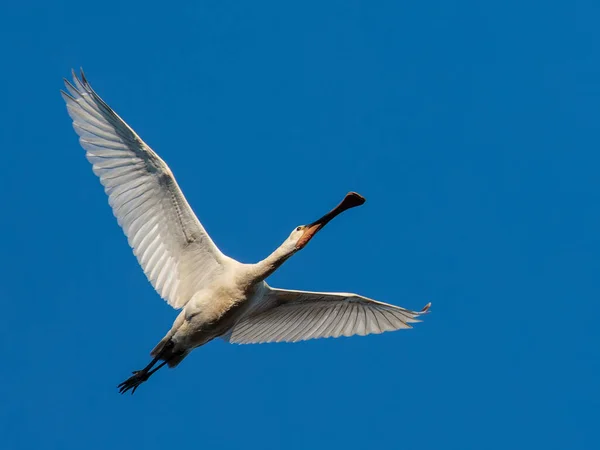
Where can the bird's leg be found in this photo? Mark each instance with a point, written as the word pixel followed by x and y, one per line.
pixel 139 376
pixel 149 366
pixel 149 374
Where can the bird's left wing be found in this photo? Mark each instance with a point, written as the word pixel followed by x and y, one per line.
pixel 173 248
pixel 292 316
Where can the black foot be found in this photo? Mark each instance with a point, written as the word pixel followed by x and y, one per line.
pixel 139 376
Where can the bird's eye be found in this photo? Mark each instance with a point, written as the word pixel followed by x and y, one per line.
pixel 298 229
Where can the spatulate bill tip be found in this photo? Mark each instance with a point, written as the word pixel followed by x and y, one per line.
pixel 353 199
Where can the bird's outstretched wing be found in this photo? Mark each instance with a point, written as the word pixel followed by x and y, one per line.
pixel 292 316
pixel 173 248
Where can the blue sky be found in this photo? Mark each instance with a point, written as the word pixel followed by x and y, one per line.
pixel 470 127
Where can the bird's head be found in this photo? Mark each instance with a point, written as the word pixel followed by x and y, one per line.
pixel 304 233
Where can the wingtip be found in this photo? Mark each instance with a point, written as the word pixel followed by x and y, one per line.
pixel 80 76
pixel 425 309
pixel 83 78
pixel 66 96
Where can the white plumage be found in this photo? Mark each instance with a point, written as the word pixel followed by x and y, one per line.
pixel 174 250
pixel 219 296
pixel 292 316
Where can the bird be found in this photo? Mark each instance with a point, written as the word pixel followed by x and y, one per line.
pixel 218 297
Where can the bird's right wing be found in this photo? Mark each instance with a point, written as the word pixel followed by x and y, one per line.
pixel 292 316
pixel 175 252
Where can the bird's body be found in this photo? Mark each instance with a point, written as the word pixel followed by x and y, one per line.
pixel 218 296
pixel 212 311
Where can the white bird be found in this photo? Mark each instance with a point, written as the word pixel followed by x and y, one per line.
pixel 218 296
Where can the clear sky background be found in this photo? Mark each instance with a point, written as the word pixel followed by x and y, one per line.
pixel 472 128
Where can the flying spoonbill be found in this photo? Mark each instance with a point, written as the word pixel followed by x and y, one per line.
pixel 218 296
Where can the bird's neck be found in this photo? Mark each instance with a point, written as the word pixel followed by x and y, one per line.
pixel 261 270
